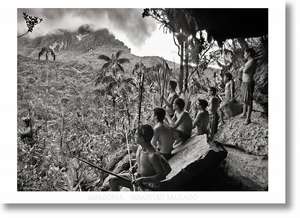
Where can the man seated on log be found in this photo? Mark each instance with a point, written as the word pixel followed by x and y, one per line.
pixel 163 136
pixel 151 166
pixel 171 98
pixel 202 117
pixel 182 123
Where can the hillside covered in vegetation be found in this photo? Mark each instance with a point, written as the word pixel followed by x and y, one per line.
pixel 90 100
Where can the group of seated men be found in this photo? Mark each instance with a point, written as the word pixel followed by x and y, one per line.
pixel 172 128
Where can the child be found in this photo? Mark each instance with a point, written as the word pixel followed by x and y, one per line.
pixel 214 104
pixel 229 94
pixel 202 117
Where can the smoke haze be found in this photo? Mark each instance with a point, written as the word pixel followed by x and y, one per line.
pixel 122 23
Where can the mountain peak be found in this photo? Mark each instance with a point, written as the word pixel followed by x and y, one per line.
pixel 82 40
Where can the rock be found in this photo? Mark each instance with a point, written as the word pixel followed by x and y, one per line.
pixel 192 163
pixel 252 138
pixel 232 109
pixel 258 108
pixel 261 86
pixel 249 170
pixel 247 146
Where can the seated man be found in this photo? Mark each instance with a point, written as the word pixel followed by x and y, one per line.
pixel 181 122
pixel 151 166
pixel 163 136
pixel 202 117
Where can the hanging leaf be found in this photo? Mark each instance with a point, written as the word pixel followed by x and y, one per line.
pixel 104 57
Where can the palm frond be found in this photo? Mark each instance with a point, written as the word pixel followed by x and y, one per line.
pixel 123 60
pixel 106 65
pixel 104 57
pixel 118 54
pixel 166 66
pixel 120 67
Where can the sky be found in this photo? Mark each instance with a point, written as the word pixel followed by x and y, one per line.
pixel 143 35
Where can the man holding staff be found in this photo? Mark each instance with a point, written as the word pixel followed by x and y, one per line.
pixel 150 165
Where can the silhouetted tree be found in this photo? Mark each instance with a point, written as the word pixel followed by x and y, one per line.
pixel 31 22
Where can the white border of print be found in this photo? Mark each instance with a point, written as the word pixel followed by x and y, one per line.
pixel 8 159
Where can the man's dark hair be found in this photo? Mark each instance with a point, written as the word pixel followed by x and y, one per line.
pixel 173 84
pixel 160 113
pixel 250 51
pixel 203 103
pixel 180 103
pixel 228 75
pixel 213 90
pixel 146 131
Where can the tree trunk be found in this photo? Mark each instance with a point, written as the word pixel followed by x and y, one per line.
pixel 180 77
pixel 62 130
pixel 186 64
pixel 128 115
pixel 140 98
pixel 114 112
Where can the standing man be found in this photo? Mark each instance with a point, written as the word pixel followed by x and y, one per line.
pixel 247 86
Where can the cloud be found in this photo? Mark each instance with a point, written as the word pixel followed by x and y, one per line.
pixel 127 22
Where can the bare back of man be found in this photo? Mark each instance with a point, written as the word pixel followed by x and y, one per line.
pixel 145 167
pixel 185 123
pixel 163 138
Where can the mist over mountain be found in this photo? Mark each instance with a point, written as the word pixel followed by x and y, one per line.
pixel 127 21
pixel 82 40
pixel 83 46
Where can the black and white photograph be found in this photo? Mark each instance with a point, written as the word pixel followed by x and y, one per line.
pixel 142 99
